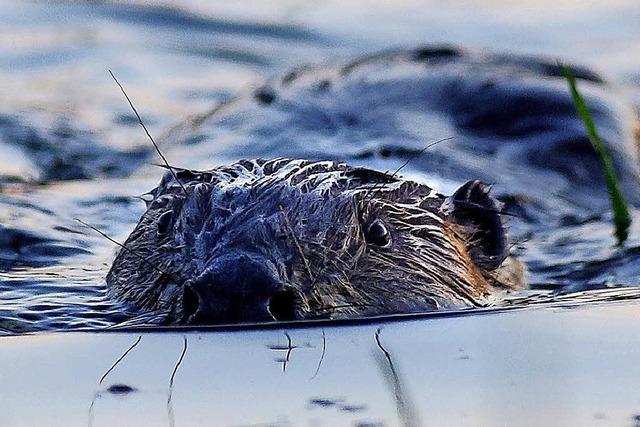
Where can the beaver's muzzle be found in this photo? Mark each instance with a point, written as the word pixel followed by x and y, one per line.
pixel 238 287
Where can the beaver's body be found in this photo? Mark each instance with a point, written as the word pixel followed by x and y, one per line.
pixel 296 239
pixel 512 120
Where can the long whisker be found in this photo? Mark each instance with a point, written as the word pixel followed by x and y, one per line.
pixel 374 190
pixel 374 187
pixel 155 145
pixel 131 251
pixel 419 153
pixel 336 307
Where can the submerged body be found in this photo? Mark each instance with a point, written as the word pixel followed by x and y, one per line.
pixel 512 120
pixel 300 239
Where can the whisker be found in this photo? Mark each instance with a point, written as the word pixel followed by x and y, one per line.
pixel 374 187
pixel 402 166
pixel 336 307
pixel 131 251
pixel 420 153
pixel 155 145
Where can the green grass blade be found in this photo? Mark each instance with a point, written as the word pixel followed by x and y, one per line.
pixel 621 216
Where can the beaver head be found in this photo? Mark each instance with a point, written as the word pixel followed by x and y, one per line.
pixel 296 239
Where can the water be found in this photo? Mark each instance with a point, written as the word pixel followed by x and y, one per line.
pixel 511 368
pixel 65 126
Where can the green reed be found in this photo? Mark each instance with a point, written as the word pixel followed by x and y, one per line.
pixel 621 216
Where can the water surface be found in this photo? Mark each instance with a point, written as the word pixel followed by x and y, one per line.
pixel 509 368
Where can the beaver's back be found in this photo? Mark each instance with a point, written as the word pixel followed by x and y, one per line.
pixel 512 119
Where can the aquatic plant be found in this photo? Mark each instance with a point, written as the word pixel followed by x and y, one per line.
pixel 621 216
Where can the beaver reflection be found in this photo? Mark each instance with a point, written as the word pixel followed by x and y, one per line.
pixel 123 390
pixel 296 239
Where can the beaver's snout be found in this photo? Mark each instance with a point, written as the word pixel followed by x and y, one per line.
pixel 238 287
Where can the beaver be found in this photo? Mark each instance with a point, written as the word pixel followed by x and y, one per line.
pixel 512 118
pixel 281 239
pixel 300 239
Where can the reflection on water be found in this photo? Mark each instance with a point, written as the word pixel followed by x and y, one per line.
pixel 324 351
pixel 121 390
pixel 287 350
pixel 404 405
pixel 120 359
pixel 524 367
pixel 117 389
pixel 170 414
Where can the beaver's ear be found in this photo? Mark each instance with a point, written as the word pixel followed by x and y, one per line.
pixel 473 208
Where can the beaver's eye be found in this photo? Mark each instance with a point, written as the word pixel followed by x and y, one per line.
pixel 163 222
pixel 378 234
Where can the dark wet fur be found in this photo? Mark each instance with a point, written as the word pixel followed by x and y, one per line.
pixel 288 239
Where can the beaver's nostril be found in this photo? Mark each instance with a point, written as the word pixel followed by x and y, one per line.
pixel 190 302
pixel 282 305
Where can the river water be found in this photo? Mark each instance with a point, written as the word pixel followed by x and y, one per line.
pixel 71 148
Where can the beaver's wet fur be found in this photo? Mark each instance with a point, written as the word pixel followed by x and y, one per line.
pixel 512 118
pixel 297 239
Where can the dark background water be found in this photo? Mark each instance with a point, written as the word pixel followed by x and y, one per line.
pixel 65 126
